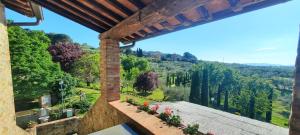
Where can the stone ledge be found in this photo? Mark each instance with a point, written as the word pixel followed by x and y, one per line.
pixel 149 122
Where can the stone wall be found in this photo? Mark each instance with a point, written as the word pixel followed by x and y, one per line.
pixel 59 127
pixel 7 108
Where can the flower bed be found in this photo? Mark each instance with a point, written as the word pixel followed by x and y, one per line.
pixel 168 117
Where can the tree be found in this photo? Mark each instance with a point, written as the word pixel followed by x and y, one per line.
pixel 204 88
pixel 133 66
pixel 227 86
pixel 56 38
pixel 189 57
pixel 139 52
pixel 146 82
pixel 32 68
pixel 87 68
pixel 65 53
pixel 195 88
pixel 68 86
pixel 269 112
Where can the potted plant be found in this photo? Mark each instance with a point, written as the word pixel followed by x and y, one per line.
pixel 31 124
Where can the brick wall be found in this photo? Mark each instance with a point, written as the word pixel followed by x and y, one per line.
pixel 102 115
pixel 110 69
pixel 7 108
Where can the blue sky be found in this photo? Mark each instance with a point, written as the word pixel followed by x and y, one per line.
pixel 269 35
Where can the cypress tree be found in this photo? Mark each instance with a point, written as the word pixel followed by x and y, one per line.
pixel 168 80
pixel 252 107
pixel 204 89
pixel 226 100
pixel 269 113
pixel 219 95
pixel 195 88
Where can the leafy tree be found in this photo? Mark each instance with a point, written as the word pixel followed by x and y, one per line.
pixel 189 57
pixel 56 38
pixel 65 53
pixel 146 82
pixel 195 88
pixel 87 68
pixel 68 86
pixel 133 66
pixel 204 88
pixel 32 68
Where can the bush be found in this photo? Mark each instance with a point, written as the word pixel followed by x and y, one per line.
pixel 55 114
pixel 191 129
pixel 82 105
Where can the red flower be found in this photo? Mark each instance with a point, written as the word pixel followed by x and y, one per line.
pixel 146 104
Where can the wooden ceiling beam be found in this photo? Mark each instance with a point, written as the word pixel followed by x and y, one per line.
pixel 121 7
pixel 69 16
pixel 137 3
pixel 79 13
pixel 156 12
pixel 93 12
pixel 105 9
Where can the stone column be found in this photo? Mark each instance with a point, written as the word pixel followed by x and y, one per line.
pixel 295 111
pixel 7 106
pixel 110 69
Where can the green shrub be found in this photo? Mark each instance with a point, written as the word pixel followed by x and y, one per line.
pixel 191 129
pixel 174 120
pixel 82 105
pixel 164 116
pixel 55 114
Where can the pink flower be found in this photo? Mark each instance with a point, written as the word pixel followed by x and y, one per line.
pixel 155 108
pixel 168 111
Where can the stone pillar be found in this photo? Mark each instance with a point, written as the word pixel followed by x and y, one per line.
pixel 7 107
pixel 294 122
pixel 110 70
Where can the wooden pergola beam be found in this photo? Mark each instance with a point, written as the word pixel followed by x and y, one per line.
pixel 156 12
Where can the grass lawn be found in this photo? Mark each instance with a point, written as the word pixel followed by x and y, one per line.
pixel 280 115
pixel 92 96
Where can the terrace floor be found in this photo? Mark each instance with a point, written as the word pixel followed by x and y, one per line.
pixel 219 122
